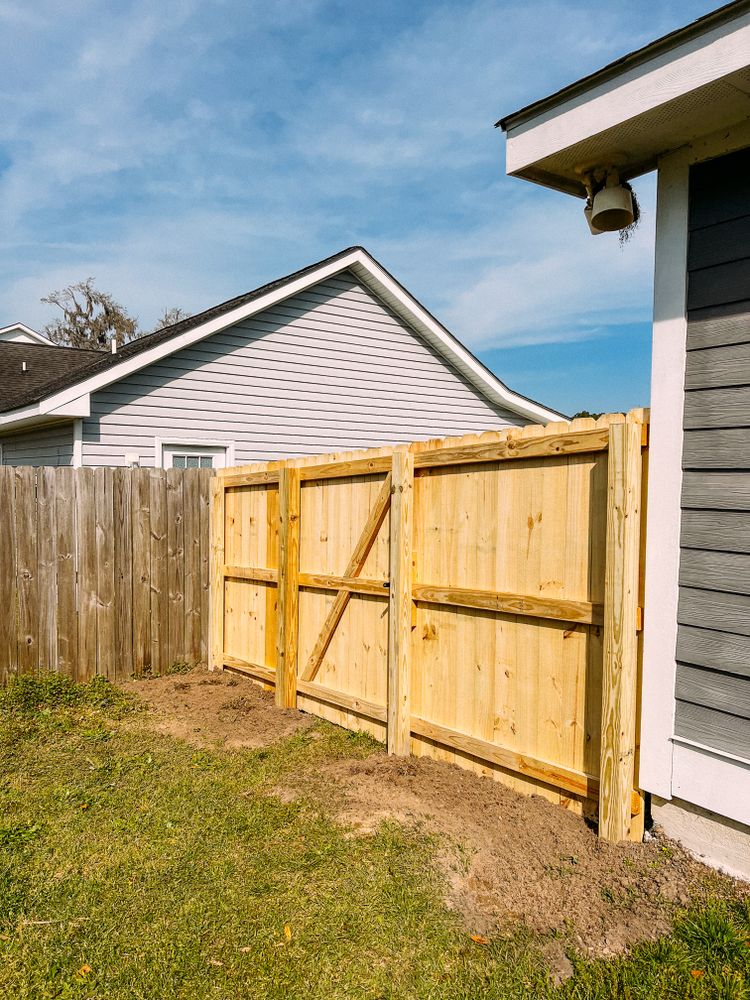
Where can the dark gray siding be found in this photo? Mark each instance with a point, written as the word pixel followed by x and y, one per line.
pixel 50 445
pixel 330 369
pixel 713 647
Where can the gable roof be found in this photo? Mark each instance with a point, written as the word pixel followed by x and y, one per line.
pixel 19 332
pixel 46 365
pixel 108 368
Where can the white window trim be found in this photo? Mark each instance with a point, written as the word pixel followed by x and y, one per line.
pixel 161 443
pixel 664 511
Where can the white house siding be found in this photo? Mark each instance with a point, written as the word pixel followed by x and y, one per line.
pixel 51 445
pixel 329 369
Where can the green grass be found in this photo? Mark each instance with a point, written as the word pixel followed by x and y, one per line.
pixel 132 866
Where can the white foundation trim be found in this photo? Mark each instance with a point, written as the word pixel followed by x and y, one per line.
pixel 710 780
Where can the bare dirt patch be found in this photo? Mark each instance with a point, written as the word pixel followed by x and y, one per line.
pixel 511 858
pixel 507 858
pixel 205 709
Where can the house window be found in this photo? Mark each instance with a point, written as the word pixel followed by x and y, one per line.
pixel 184 455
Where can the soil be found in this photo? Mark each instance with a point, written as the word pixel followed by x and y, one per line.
pixel 205 709
pixel 507 858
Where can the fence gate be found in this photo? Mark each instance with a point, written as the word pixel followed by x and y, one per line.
pixel 476 600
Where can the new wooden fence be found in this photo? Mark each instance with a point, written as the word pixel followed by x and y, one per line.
pixel 475 600
pixel 103 570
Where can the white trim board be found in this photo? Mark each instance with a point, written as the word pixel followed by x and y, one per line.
pixel 26 335
pixel 161 443
pixel 373 276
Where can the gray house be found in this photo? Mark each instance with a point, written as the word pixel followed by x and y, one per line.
pixel 681 106
pixel 333 357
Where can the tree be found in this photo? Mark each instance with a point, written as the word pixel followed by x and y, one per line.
pixel 169 317
pixel 585 413
pixel 90 318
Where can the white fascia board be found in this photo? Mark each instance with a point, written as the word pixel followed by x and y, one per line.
pixel 381 282
pixel 698 61
pixel 80 407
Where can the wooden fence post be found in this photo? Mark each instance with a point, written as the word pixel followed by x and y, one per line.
pixel 217 529
pixel 288 589
pixel 620 669
pixel 400 603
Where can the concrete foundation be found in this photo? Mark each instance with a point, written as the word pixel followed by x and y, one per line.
pixel 716 841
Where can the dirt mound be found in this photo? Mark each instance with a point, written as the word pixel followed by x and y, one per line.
pixel 517 858
pixel 204 708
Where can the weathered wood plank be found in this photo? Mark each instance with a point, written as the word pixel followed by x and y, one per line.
pixel 620 670
pixel 105 572
pixel 122 484
pixel 175 568
pixel 8 589
pixel 47 569
pixel 141 501
pixel 66 639
pixel 713 689
pixel 288 589
pixel 217 578
pixel 192 558
pixel 569 443
pixel 353 568
pixel 87 590
pixel 27 569
pixel 204 506
pixel 400 606
pixel 159 583
pixel 717 650
pixel 511 604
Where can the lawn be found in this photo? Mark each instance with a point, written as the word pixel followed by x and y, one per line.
pixel 133 865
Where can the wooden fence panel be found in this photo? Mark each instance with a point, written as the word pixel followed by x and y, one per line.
pixel 479 617
pixel 79 549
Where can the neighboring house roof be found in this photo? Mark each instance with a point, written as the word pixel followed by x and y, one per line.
pixel 107 368
pixel 688 83
pixel 45 364
pixel 20 333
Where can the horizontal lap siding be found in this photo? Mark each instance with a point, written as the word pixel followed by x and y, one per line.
pixel 327 370
pixel 52 445
pixel 713 648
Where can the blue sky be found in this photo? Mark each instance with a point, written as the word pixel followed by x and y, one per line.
pixel 184 152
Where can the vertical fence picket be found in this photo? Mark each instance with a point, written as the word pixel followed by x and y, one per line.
pixel 141 533
pixel 87 595
pixel 66 637
pixel 105 572
pixel 123 572
pixel 206 529
pixel 175 568
pixel 620 670
pixel 400 603
pixel 192 559
pixel 288 588
pixel 47 569
pixel 27 569
pixel 159 596
pixel 8 590
pixel 217 574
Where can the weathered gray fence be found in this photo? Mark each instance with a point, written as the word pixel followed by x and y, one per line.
pixel 103 570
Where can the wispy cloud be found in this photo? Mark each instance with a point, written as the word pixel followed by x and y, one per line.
pixel 186 151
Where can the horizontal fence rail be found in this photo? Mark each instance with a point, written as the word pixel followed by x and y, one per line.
pixel 476 600
pixel 103 571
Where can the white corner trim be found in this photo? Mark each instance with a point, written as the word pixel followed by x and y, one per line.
pixel 695 63
pixel 664 511
pixel 378 280
pixel 77 443
pixel 161 443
